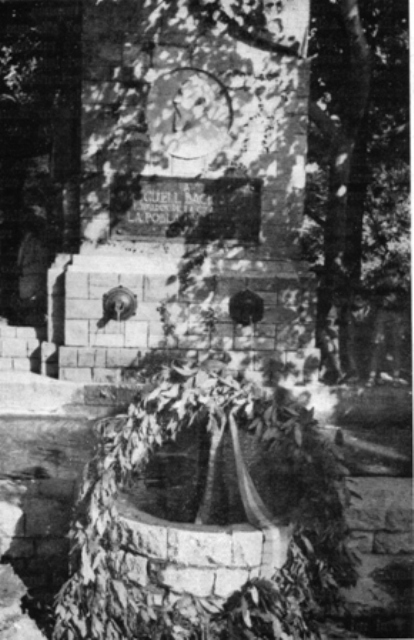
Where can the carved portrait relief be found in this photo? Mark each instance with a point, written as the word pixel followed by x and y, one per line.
pixel 189 114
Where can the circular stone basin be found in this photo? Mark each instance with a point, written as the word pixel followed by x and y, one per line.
pixel 202 560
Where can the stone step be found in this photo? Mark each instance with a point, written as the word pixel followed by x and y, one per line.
pixel 24 333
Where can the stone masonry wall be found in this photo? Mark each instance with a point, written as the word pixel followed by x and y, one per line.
pixel 41 462
pixel 201 560
pixel 20 348
pixel 130 48
pixel 215 561
pixel 109 352
pixel 380 519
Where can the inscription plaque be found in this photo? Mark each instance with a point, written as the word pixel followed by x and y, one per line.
pixel 198 210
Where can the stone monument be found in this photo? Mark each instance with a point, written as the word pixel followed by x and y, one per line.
pixel 193 138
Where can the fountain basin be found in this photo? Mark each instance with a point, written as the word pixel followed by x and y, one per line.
pixel 201 560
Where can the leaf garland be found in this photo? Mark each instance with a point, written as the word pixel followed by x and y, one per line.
pixel 94 604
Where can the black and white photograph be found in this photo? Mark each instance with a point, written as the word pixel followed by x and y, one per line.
pixel 205 320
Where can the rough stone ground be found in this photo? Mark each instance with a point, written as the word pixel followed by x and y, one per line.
pixel 14 623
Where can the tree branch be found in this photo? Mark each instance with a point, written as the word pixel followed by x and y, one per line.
pixel 316 218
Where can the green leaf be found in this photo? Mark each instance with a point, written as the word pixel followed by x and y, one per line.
pixel 255 595
pixel 186 372
pixel 298 434
pixel 88 575
pixel 121 592
pixel 246 613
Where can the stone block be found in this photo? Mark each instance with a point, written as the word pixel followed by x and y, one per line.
pixel 106 340
pixel 14 348
pixel 6 364
pixel 104 279
pixel 222 342
pixel 147 312
pixel 265 330
pixel 49 369
pixel 200 548
pixel 55 327
pixel 49 547
pixel 11 516
pixel 159 288
pixel 76 285
pixel 106 375
pixel 49 352
pixel 17 547
pixel 136 334
pixel 229 580
pixel 135 568
pixel 226 287
pixel 33 347
pixel 68 357
pixel 394 543
pixel 26 364
pixel 10 491
pixel 115 327
pixel 76 332
pixel 385 504
pixel 56 306
pixel 60 489
pixel 88 309
pixel 246 547
pixel 198 582
pixel 194 342
pixel 240 360
pixel 86 357
pixel 7 332
pixel 361 541
pixel 45 517
pixel 147 539
pixel 200 289
pixel 133 281
pixel 384 584
pixel 122 358
pixel 75 374
pixel 262 285
pixel 97 292
pixel 56 283
pixel 100 357
pixel 12 591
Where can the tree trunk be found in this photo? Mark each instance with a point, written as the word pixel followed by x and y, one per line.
pixel 358 184
pixel 356 94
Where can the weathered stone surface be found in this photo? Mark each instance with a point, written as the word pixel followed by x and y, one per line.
pixel 14 625
pixel 246 547
pixel 149 539
pixel 385 503
pixel 198 582
pixel 17 547
pixel 10 516
pixel 229 580
pixel 48 547
pixel 394 543
pixel 46 517
pixel 275 549
pixel 361 541
pixel 22 629
pixel 200 548
pixel 385 583
pixel 135 568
